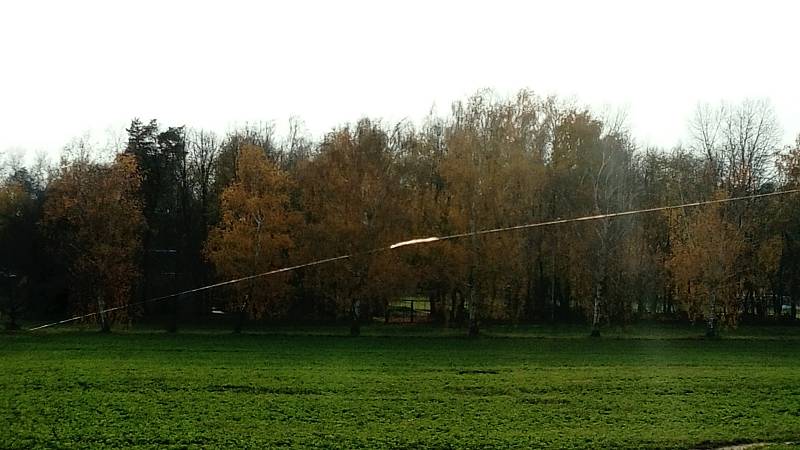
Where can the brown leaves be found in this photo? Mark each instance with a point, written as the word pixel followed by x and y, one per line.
pixel 253 235
pixel 706 250
pixel 93 216
pixel 13 201
pixel 354 201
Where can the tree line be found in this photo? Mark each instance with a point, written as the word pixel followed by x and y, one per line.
pixel 176 208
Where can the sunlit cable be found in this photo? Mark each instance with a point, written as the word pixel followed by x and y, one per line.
pixel 421 241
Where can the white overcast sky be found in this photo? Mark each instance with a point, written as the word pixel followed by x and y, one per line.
pixel 68 67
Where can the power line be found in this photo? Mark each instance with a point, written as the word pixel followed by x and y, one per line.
pixel 191 291
pixel 589 218
pixel 422 241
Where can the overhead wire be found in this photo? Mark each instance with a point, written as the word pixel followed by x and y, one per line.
pixel 419 241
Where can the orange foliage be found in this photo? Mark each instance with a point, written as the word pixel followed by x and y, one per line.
pixel 95 218
pixel 705 252
pixel 253 235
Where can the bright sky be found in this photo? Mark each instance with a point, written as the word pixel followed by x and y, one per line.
pixel 71 67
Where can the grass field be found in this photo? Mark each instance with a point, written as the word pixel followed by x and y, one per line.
pixel 73 389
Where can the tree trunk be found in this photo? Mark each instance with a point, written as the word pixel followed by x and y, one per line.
pixel 541 292
pixel 711 330
pixel 596 312
pixel 473 330
pixel 240 318
pixel 12 310
pixel 172 326
pixel 12 325
pixel 553 294
pixel 355 322
pixel 435 306
pixel 105 325
pixel 457 313
pixel 528 300
pixel 446 308
pixel 600 273
pixel 711 326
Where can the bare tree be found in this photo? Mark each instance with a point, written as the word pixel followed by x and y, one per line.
pixel 613 190
pixel 737 142
pixel 297 145
pixel 203 147
pixel 751 135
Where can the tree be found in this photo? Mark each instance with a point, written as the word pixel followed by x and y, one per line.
pixel 788 218
pixel 493 174
pixel 296 147
pixel 203 148
pixel 668 178
pixel 594 173
pixel 226 161
pixel 19 211
pixel 94 218
pixel 438 269
pixel 254 235
pixel 738 142
pixel 354 202
pixel 706 252
pixel 166 203
pixel 200 208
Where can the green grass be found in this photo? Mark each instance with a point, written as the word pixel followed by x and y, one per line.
pixel 73 389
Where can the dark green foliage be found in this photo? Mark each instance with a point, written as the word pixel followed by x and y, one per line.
pixel 172 241
pixel 23 267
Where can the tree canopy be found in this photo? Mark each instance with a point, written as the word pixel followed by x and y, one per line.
pixel 180 207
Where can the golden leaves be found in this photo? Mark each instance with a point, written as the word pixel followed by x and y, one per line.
pixel 253 235
pixel 94 217
pixel 705 251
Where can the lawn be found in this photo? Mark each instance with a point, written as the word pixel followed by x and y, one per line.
pixel 72 389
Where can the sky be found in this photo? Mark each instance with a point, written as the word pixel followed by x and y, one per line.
pixel 77 67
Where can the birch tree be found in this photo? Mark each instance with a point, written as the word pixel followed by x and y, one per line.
pixel 94 217
pixel 254 236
